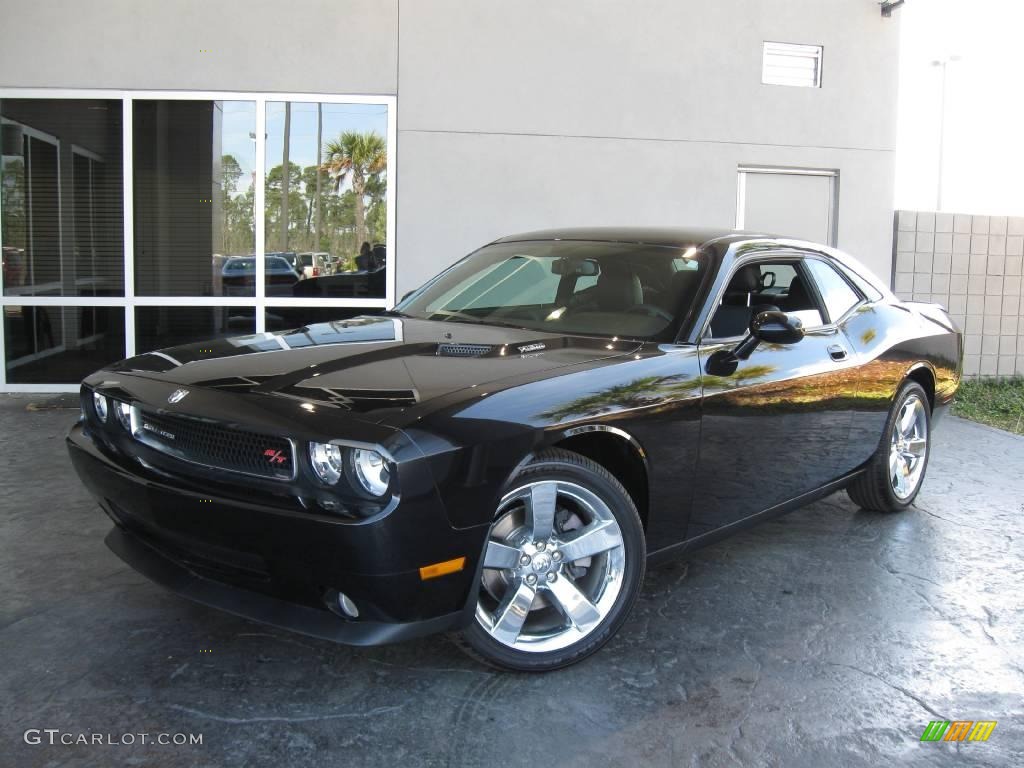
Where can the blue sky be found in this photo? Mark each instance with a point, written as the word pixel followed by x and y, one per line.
pixel 239 120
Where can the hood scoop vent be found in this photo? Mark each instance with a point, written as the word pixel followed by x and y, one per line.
pixel 464 350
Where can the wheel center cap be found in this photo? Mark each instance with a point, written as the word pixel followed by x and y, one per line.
pixel 541 562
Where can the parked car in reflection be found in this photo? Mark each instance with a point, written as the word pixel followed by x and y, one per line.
pixel 504 452
pixel 238 276
pixel 313 264
pixel 344 285
pixel 290 256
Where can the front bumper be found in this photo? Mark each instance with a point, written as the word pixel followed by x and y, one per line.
pixel 261 559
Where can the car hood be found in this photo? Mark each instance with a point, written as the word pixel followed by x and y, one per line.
pixel 375 366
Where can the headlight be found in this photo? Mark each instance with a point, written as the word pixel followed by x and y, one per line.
pixel 371 470
pixel 123 411
pixel 99 405
pixel 326 461
pixel 366 469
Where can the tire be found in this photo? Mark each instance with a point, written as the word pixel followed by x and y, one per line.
pixel 529 616
pixel 890 483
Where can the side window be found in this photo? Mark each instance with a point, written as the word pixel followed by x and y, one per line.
pixel 760 286
pixel 837 294
pixel 865 287
pixel 776 279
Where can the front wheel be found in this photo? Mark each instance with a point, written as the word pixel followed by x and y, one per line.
pixel 563 565
pixel 893 476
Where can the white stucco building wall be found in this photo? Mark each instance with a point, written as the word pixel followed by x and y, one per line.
pixel 530 114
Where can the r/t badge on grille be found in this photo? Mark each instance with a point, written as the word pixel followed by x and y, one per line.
pixel 275 457
pixel 177 396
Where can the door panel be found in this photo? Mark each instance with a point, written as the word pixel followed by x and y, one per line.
pixel 774 429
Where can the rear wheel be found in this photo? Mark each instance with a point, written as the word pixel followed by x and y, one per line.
pixel 563 565
pixel 893 477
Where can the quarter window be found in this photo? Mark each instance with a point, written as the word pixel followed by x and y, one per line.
pixel 837 294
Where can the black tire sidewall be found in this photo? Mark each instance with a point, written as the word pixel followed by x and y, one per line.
pixel 562 465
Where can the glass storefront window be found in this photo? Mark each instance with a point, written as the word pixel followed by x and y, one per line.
pixel 160 327
pixel 287 318
pixel 61 344
pixel 328 213
pixel 193 167
pixel 204 177
pixel 62 197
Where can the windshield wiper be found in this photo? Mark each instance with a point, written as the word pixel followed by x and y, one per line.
pixel 455 316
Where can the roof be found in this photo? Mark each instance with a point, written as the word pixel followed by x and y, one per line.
pixel 669 236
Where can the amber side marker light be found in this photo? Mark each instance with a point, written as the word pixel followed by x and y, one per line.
pixel 442 569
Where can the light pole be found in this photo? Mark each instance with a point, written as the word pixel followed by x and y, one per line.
pixel 942 124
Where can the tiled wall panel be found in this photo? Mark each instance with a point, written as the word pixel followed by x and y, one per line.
pixel 972 266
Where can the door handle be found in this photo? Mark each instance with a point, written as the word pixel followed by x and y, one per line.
pixel 837 352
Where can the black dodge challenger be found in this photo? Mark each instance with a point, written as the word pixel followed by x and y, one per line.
pixel 504 452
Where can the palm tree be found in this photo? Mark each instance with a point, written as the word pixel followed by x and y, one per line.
pixel 360 157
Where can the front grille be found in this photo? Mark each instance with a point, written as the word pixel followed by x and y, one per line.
pixel 463 350
pixel 217 446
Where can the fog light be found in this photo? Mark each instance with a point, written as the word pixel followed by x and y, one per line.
pixel 99 405
pixel 346 606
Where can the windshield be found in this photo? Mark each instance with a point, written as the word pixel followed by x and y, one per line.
pixel 567 286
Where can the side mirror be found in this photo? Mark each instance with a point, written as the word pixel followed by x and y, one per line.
pixel 774 327
pixel 770 327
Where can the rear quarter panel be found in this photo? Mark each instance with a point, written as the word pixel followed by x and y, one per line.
pixel 890 340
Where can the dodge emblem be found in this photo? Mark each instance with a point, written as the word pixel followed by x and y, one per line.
pixel 177 396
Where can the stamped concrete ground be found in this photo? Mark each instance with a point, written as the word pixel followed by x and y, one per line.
pixel 827 638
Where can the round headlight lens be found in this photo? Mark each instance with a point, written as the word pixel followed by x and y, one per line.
pixel 99 405
pixel 371 470
pixel 123 411
pixel 326 461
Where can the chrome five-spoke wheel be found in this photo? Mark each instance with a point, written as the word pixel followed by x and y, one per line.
pixel 553 567
pixel 909 447
pixel 561 566
pixel 892 477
